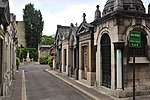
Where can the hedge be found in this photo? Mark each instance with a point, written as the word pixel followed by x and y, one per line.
pixel 50 61
pixel 22 53
pixel 44 60
pixel 17 63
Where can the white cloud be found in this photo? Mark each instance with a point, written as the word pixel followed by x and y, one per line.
pixel 72 14
pixel 53 14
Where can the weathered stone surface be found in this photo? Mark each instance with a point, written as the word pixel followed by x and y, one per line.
pixel 123 5
pixel 21 33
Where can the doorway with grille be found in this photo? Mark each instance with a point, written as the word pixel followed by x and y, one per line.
pixel 106 60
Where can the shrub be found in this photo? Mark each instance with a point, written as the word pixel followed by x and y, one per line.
pixel 17 51
pixel 17 63
pixel 44 60
pixel 50 61
pixel 23 53
pixel 33 53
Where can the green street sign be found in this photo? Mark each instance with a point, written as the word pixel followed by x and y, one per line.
pixel 135 39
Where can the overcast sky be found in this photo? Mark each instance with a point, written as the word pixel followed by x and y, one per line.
pixel 60 12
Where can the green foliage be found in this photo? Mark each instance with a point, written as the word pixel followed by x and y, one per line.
pixel 17 52
pixel 50 61
pixel 33 53
pixel 44 60
pixel 47 40
pixel 17 63
pixel 23 53
pixel 33 25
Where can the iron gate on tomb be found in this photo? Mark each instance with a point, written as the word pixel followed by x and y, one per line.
pixel 106 60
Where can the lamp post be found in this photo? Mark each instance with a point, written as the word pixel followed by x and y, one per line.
pixel 118 49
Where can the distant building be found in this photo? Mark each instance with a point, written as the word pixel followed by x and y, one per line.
pixel 44 50
pixel 21 33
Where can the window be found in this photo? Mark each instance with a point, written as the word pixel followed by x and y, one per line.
pixel 65 57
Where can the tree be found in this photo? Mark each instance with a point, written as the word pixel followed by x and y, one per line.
pixel 47 40
pixel 33 25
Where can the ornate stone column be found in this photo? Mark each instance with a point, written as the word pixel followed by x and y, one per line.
pixel 77 62
pixel 70 65
pixel 119 65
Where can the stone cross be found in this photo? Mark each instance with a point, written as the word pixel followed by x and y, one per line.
pixel 84 19
pixel 97 13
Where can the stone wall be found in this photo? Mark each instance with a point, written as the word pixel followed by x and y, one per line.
pixel 21 33
pixel 118 29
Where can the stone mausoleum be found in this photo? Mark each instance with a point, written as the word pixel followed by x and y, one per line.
pixel 114 58
pixel 100 51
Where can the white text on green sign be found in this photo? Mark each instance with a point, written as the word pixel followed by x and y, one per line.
pixel 135 39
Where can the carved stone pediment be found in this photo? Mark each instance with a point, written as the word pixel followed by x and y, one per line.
pixel 84 27
pixel 4 12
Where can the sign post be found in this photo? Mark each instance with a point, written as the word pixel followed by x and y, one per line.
pixel 134 42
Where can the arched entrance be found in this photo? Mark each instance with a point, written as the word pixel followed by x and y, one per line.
pixel 106 60
pixel 142 51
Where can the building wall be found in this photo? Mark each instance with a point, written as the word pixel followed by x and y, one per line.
pixel 44 51
pixel 105 28
pixel 7 56
pixel 142 78
pixel 65 46
pixel 21 33
pixel 1 60
pixel 120 32
pixel 85 40
pixel 117 27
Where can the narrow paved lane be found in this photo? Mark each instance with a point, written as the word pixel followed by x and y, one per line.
pixel 41 85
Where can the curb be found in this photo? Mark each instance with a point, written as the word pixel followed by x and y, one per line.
pixel 23 95
pixel 76 87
